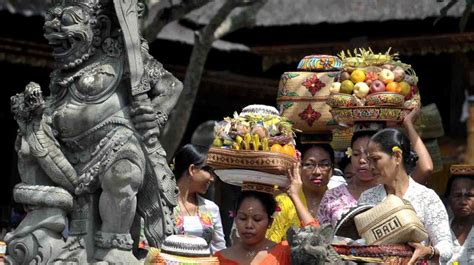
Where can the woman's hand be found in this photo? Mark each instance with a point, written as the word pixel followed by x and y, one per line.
pixel 295 180
pixel 411 117
pixel 420 252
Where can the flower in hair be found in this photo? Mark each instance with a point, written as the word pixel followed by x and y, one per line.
pixel 349 152
pixel 276 212
pixel 232 214
pixel 298 154
pixel 396 149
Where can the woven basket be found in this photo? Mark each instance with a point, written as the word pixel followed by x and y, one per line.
pixel 432 123
pixel 269 162
pixel 302 99
pixel 341 138
pixel 435 153
pixel 393 221
pixel 386 254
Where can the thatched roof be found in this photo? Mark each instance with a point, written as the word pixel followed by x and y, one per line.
pixel 282 13
pixel 311 12
pixel 293 12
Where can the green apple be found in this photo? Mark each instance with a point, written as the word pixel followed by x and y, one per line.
pixel 405 88
pixel 347 87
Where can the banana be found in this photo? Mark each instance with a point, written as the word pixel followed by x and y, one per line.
pixel 256 142
pixel 265 144
pixel 217 142
pixel 247 140
pixel 239 140
pixel 235 146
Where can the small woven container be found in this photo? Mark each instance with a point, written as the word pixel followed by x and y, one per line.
pixel 386 254
pixel 269 162
pixel 393 221
pixel 432 122
pixel 341 138
pixel 433 148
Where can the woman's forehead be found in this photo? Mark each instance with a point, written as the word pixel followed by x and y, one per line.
pixel 251 205
pixel 463 183
pixel 317 153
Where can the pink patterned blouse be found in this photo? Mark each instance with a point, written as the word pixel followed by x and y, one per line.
pixel 334 204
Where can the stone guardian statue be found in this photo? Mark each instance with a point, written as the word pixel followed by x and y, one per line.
pixel 89 158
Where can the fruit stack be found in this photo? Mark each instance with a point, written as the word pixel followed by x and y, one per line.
pixel 257 139
pixel 256 128
pixel 373 87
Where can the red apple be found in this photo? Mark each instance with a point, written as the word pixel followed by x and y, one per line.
pixel 377 86
pixel 413 91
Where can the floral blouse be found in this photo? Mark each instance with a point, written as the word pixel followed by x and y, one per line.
pixel 206 224
pixel 335 203
pixel 429 209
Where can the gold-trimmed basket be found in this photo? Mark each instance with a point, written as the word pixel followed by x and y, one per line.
pixel 349 115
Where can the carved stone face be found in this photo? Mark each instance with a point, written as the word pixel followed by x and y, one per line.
pixel 70 32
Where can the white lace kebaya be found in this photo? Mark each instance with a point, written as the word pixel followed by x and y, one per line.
pixel 429 209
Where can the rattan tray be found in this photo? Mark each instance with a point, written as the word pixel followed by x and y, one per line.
pixel 268 162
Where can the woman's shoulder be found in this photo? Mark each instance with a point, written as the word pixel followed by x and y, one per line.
pixel 373 195
pixel 208 203
pixel 222 257
pixel 420 190
pixel 337 191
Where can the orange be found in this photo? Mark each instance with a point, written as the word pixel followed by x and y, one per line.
pixel 276 148
pixel 289 150
pixel 357 76
pixel 393 87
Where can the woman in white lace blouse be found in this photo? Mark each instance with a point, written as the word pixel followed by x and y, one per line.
pixel 390 157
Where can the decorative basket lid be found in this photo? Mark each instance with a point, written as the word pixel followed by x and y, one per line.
pixel 462 170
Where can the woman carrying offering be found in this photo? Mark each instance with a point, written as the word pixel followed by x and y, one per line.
pixel 390 156
pixel 460 194
pixel 254 211
pixel 316 170
pixel 340 200
pixel 194 214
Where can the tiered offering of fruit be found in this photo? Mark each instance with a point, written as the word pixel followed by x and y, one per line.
pixel 365 72
pixel 256 131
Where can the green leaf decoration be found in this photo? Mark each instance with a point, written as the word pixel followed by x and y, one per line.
pixel 292 75
pixel 287 105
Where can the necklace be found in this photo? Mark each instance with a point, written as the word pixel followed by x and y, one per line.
pixel 186 208
pixel 253 253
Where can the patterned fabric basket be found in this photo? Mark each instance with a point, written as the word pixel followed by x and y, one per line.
pixel 302 100
pixel 386 254
pixel 393 221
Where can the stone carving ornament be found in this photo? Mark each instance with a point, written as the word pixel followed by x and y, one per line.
pixel 88 153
